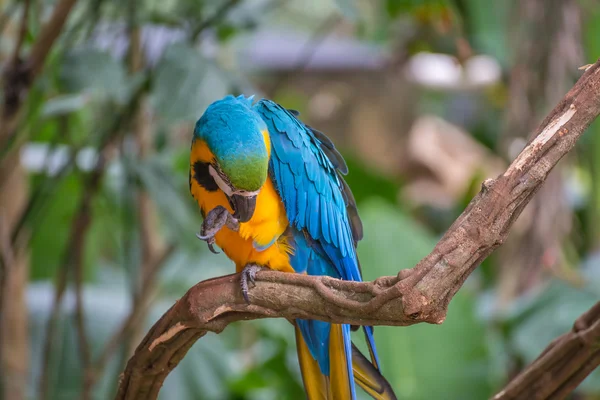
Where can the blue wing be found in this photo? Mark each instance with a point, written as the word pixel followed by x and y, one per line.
pixel 305 168
pixel 324 224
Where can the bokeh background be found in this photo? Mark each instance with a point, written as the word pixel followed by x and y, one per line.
pixel 424 98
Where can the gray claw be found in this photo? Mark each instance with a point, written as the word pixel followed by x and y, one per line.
pixel 214 221
pixel 248 275
pixel 211 247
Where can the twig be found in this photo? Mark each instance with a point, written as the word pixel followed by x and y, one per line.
pixel 113 133
pixel 421 294
pixel 6 16
pixel 78 247
pixel 49 34
pixel 212 20
pixel 22 32
pixel 73 256
pixel 19 76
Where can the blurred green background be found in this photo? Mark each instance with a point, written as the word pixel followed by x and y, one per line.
pixel 424 98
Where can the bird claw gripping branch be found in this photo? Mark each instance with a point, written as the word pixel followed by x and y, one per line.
pixel 248 275
pixel 214 221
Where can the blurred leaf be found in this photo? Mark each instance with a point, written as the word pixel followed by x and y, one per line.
pixel 176 209
pixel 226 32
pixel 202 373
pixel 551 312
pixel 62 105
pixel 96 72
pixel 186 83
pixel 396 7
pixel 487 27
pixel 50 232
pixel 367 183
pixel 457 348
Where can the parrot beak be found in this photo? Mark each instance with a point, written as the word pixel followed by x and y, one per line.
pixel 243 206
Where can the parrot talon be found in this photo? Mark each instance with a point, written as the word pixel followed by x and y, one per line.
pixel 211 246
pixel 214 221
pixel 248 275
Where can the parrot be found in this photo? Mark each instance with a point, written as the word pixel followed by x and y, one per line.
pixel 272 195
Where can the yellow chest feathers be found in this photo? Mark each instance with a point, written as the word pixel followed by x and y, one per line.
pixel 260 239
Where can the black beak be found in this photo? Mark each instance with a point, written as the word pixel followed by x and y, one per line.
pixel 243 207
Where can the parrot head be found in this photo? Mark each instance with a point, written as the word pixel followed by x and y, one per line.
pixel 238 151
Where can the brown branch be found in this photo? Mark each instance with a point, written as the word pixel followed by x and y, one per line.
pixel 114 132
pixel 421 294
pixel 19 74
pixel 73 259
pixel 48 35
pixel 562 365
pixel 21 34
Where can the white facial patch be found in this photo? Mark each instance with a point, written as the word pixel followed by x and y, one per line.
pixel 220 182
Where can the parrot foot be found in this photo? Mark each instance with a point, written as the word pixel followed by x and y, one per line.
pixel 248 275
pixel 214 221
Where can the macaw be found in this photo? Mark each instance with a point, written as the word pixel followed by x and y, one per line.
pixel 271 192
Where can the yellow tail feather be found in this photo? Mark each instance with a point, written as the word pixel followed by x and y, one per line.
pixel 340 381
pixel 368 377
pixel 315 383
pixel 337 385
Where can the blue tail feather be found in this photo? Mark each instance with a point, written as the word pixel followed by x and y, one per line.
pixel 348 345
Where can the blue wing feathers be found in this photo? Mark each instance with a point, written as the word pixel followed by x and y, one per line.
pixel 324 224
pixel 325 219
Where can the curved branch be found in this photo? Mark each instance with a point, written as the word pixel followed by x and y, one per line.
pixel 562 365
pixel 421 294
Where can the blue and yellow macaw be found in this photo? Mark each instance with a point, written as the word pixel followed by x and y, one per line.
pixel 272 195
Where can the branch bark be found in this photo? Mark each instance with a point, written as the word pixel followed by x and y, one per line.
pixel 417 295
pixel 563 365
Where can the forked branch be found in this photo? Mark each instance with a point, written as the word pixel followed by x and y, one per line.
pixel 420 294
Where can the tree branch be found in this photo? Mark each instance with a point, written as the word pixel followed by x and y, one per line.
pixel 19 75
pixel 421 294
pixel 562 365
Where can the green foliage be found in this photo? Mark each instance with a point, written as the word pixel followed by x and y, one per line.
pixel 94 72
pixel 186 83
pixel 85 94
pixel 49 238
pixel 396 8
pixel 366 183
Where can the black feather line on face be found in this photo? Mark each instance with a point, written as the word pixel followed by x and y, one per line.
pixel 203 177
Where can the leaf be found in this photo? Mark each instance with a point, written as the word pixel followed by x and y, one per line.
pixel 177 209
pixel 203 373
pixel 62 105
pixel 51 230
pixel 395 8
pixel 186 83
pixel 95 72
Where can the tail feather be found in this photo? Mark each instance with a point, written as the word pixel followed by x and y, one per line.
pixel 342 385
pixel 337 385
pixel 368 377
pixel 315 383
pixel 345 366
pixel 371 345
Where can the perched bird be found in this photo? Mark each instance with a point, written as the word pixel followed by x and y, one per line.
pixel 271 192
